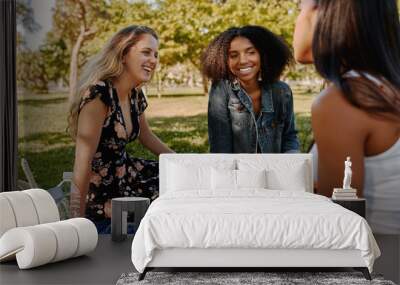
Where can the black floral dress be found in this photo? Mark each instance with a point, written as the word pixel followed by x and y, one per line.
pixel 114 172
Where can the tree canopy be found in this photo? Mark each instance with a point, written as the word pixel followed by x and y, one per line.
pixel 81 27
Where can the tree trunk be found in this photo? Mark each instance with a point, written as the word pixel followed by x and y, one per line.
pixel 158 77
pixel 73 67
pixel 205 84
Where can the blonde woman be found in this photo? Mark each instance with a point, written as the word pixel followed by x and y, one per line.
pixel 108 113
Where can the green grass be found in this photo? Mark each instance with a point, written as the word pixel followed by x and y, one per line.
pixel 41 102
pixel 303 125
pixel 51 153
pixel 46 139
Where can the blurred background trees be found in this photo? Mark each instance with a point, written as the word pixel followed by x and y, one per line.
pixel 48 70
pixel 81 27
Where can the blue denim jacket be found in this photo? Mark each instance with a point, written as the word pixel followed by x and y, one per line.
pixel 234 128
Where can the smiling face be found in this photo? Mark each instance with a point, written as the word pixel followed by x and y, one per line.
pixel 244 60
pixel 304 31
pixel 141 60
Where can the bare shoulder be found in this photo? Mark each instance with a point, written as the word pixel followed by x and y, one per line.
pixel 94 107
pixel 330 100
pixel 92 116
pixel 333 108
pixel 339 130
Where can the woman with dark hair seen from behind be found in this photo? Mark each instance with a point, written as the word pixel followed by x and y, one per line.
pixel 249 109
pixel 355 46
pixel 106 114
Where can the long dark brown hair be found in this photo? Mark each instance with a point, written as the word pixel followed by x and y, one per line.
pixel 275 54
pixel 360 35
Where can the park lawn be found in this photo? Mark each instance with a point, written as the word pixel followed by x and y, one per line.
pixel 182 134
pixel 48 112
pixel 181 122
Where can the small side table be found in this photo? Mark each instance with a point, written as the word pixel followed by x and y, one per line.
pixel 120 207
pixel 355 205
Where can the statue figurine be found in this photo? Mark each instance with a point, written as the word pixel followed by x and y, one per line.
pixel 347 174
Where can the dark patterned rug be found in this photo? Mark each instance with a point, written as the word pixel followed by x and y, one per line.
pixel 243 278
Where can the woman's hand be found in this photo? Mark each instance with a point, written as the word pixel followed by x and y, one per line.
pixel 76 203
pixel 107 209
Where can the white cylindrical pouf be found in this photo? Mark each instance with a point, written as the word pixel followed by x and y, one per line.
pixel 40 244
pixel 45 205
pixel 87 235
pixel 34 246
pixel 7 217
pixel 67 239
pixel 23 207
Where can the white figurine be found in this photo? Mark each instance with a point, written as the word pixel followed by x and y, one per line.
pixel 347 174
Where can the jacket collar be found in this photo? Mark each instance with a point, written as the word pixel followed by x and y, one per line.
pixel 267 104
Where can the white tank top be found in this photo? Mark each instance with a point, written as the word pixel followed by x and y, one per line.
pixel 381 183
pixel 382 190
